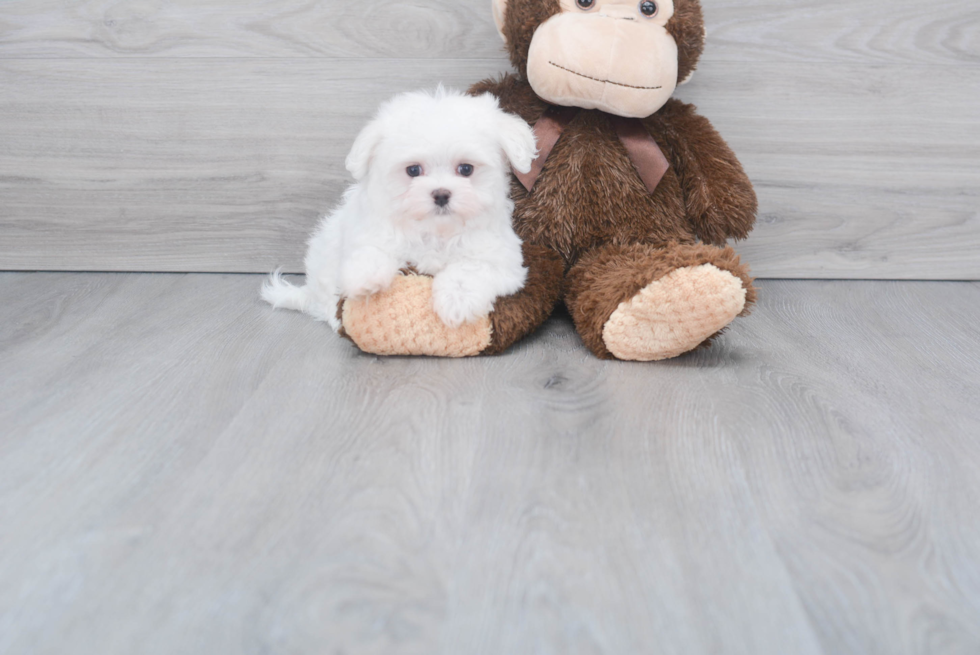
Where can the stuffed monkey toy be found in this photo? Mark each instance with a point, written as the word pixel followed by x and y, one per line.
pixel 626 213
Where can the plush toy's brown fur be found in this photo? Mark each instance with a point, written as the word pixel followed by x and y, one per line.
pixel 590 208
pixel 595 237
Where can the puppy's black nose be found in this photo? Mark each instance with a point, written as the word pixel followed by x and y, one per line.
pixel 441 196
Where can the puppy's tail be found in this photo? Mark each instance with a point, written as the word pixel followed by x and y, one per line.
pixel 282 295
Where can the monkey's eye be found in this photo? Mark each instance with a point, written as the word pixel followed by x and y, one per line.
pixel 586 4
pixel 414 171
pixel 465 170
pixel 648 8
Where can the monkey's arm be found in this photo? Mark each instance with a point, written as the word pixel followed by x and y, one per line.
pixel 721 203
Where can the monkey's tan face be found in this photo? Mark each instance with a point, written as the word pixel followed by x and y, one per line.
pixel 612 55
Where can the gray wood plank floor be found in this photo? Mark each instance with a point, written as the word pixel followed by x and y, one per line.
pixel 208 135
pixel 183 470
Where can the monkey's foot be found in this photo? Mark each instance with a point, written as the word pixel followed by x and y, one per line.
pixel 401 321
pixel 674 314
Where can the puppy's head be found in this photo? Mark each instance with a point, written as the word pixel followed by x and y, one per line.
pixel 441 155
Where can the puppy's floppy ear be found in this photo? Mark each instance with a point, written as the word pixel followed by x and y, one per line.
pixel 361 153
pixel 499 10
pixel 517 141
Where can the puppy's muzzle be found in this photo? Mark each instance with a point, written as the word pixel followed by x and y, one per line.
pixel 441 197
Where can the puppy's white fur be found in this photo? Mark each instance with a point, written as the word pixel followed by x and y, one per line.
pixel 389 220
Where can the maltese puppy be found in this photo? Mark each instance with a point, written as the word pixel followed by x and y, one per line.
pixel 432 193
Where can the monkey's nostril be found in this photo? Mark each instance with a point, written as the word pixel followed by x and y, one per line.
pixel 441 197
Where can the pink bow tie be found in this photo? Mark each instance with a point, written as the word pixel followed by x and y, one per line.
pixel 644 153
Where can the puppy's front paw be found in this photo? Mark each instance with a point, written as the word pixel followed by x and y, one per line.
pixel 456 303
pixel 366 273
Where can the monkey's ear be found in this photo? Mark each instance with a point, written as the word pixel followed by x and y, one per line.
pixel 499 10
pixel 517 141
pixel 362 152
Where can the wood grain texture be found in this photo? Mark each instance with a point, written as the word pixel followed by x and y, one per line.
pixel 208 136
pixel 844 31
pixel 870 32
pixel 225 165
pixel 175 165
pixel 184 470
pixel 422 29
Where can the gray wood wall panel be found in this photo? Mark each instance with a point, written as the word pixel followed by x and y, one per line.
pixel 945 32
pixel 208 136
pixel 862 31
pixel 459 29
pixel 190 164
pixel 183 470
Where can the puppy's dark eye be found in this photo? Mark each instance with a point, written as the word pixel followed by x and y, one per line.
pixel 414 171
pixel 465 170
pixel 586 4
pixel 649 9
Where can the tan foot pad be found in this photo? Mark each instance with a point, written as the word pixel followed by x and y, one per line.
pixel 674 314
pixel 400 321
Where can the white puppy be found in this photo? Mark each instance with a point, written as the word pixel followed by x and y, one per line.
pixel 432 192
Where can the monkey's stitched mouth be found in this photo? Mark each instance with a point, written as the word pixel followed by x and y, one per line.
pixel 596 79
